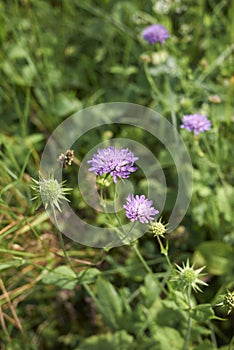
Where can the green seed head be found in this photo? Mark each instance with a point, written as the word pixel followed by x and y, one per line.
pixel 157 228
pixel 104 181
pixel 51 191
pixel 228 301
pixel 188 277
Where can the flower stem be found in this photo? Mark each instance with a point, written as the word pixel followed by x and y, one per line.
pixel 164 251
pixel 212 335
pixel 115 208
pixel 138 253
pixel 151 82
pixel 128 234
pixel 189 324
pixel 93 297
pixel 61 242
pixel 171 99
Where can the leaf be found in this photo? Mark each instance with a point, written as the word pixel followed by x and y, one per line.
pixel 165 338
pixel 88 276
pixel 206 345
pixel 171 315
pixel 120 340
pixel 202 313
pixel 62 277
pixel 34 138
pixel 14 263
pixel 110 302
pixel 179 299
pixel 150 290
pixel 65 104
pixel 123 70
pixel 16 52
pixel 216 255
pixel 225 201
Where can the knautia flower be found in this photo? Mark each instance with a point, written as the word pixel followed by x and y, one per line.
pixel 157 228
pixel 51 191
pixel 118 162
pixel 139 208
pixel 188 277
pixel 155 33
pixel 196 123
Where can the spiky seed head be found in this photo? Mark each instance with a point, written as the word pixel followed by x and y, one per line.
pixel 51 191
pixel 189 277
pixel 228 300
pixel 157 228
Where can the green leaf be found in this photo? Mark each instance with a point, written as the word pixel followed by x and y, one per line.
pixel 16 52
pixel 206 345
pixel 165 338
pixel 150 290
pixel 170 315
pixel 110 302
pixel 180 300
pixel 217 256
pixel 202 313
pixel 34 138
pixel 14 263
pixel 123 70
pixel 65 104
pixel 88 276
pixel 119 341
pixel 225 201
pixel 62 277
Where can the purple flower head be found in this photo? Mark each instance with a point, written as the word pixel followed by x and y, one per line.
pixel 139 208
pixel 118 162
pixel 155 33
pixel 196 122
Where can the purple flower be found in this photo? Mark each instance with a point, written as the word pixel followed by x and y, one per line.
pixel 118 162
pixel 155 33
pixel 139 208
pixel 196 122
